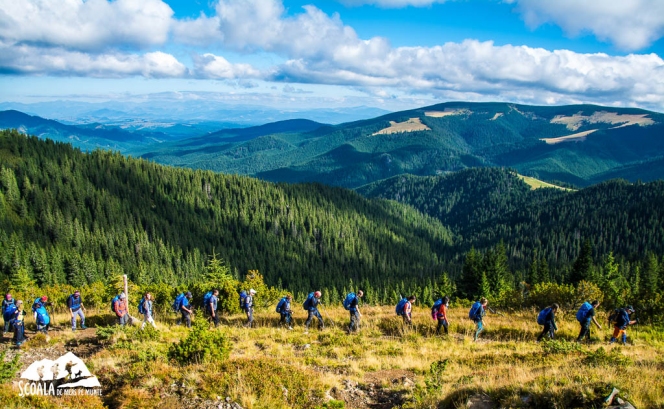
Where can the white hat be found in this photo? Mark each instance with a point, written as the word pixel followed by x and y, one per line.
pixel 252 291
pixel 122 295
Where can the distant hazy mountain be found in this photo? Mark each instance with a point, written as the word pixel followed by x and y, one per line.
pixel 579 144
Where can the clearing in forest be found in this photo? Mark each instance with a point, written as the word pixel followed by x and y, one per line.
pixel 536 183
pixel 447 112
pixel 411 125
pixel 577 137
pixel 575 121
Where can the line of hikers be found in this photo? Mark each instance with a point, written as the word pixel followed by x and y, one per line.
pixel 14 314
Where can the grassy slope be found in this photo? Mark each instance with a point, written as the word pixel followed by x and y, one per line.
pixel 273 368
pixel 537 184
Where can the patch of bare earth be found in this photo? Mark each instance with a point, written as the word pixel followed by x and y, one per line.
pixel 496 116
pixel 577 137
pixel 380 390
pixel 411 125
pixel 575 121
pixel 447 112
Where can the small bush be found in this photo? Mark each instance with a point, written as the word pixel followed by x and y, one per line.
pixel 560 347
pixel 202 345
pixel 8 369
pixel 602 358
pixel 544 294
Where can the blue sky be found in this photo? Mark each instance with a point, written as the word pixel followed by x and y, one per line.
pixel 392 54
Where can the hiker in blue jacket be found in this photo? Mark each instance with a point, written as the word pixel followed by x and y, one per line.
pixel 286 311
pixel 76 308
pixel 7 302
pixel 585 323
pixel 186 309
pixel 311 305
pixel 17 321
pixel 478 316
pixel 146 310
pixel 622 321
pixel 355 314
pixel 549 320
pixel 211 307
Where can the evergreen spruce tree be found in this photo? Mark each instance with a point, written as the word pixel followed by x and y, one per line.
pixel 582 268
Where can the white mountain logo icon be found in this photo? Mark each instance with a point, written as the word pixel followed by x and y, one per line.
pixel 69 369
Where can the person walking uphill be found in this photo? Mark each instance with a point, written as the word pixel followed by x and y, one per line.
pixel 351 303
pixel 145 308
pixel 311 306
pixel 17 322
pixel 585 316
pixel 439 312
pixel 186 309
pixel 285 311
pixel 547 318
pixel 621 323
pixel 121 309
pixel 211 307
pixel 477 313
pixel 76 308
pixel 8 308
pixel 408 311
pixel 249 307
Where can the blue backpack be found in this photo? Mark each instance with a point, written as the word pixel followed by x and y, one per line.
pixel 582 314
pixel 206 300
pixel 307 304
pixel 37 304
pixel 178 302
pixel 541 317
pixel 42 316
pixel 400 306
pixel 281 305
pixel 349 299
pixel 475 311
pixel 116 298
pixel 141 310
pixel 243 300
pixel 9 311
pixel 436 307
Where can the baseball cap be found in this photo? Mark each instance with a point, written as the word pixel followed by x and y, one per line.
pixel 252 291
pixel 44 298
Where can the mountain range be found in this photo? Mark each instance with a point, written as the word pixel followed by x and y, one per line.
pixel 576 145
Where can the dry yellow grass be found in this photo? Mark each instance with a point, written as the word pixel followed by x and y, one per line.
pixel 537 184
pixel 575 121
pixel 577 137
pixel 506 363
pixel 411 125
pixel 447 112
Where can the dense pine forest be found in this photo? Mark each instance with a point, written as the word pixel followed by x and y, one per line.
pixel 77 218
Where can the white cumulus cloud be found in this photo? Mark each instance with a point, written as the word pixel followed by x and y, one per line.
pixel 629 24
pixel 391 3
pixel 217 67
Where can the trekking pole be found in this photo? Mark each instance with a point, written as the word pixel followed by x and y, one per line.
pixel 327 316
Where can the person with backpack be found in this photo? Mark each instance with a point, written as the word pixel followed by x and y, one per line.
pixel 41 315
pixel 186 309
pixel 8 307
pixel 621 323
pixel 176 307
pixel 145 308
pixel 311 306
pixel 406 311
pixel 248 306
pixel 211 307
pixel 439 313
pixel 285 311
pixel 121 309
pixel 17 322
pixel 76 308
pixel 585 315
pixel 476 314
pixel 547 318
pixel 351 303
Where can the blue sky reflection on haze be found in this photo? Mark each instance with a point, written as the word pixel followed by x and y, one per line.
pixel 381 53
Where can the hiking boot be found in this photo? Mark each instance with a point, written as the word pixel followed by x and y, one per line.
pixel 84 327
pixel 290 328
pixel 73 330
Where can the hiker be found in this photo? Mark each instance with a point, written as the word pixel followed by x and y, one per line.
pixel 211 307
pixel 311 306
pixel 351 304
pixel 186 309
pixel 408 311
pixel 439 312
pixel 76 308
pixel 8 306
pixel 17 321
pixel 248 306
pixel 176 307
pixel 477 313
pixel 585 316
pixel 145 308
pixel 41 315
pixel 547 318
pixel 285 311
pixel 622 321
pixel 121 309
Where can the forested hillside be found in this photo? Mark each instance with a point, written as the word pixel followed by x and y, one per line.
pixel 66 216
